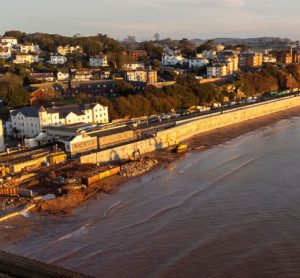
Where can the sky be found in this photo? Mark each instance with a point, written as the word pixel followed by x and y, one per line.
pixel 142 18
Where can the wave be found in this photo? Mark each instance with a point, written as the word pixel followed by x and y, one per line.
pixel 111 208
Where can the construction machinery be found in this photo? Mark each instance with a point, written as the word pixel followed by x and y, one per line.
pixel 180 147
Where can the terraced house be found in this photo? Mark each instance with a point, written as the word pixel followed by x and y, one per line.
pixel 30 121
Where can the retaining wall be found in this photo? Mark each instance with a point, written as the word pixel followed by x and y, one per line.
pixel 195 126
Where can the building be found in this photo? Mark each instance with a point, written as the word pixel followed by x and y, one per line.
pixel 149 76
pixel 173 60
pixel 63 75
pixel 26 59
pixel 134 55
pixel 209 54
pixel 269 59
pixel 57 59
pixel 9 40
pixel 250 59
pixel 43 76
pixel 134 66
pixel 79 143
pixel 99 61
pixel 5 52
pixel 198 63
pixel 217 70
pixel 83 75
pixel 29 121
pixel 67 49
pixel 40 95
pixel 28 48
pixel 286 57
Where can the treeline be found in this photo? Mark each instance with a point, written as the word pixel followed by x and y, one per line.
pixel 188 92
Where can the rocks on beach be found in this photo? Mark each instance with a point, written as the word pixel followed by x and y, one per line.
pixel 10 203
pixel 136 168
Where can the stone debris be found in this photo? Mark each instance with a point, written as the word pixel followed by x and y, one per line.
pixel 10 203
pixel 136 168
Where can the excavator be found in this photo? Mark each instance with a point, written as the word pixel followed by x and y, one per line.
pixel 180 147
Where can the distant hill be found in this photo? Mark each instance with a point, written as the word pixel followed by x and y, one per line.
pixel 261 41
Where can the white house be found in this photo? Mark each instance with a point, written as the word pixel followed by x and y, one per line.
pixel 172 60
pixel 9 40
pixel 198 62
pixel 99 61
pixel 29 121
pixel 26 59
pixel 57 60
pixel 29 48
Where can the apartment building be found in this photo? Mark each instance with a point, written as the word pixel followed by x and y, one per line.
pixel 149 76
pixel 29 121
pixel 198 62
pixel 99 61
pixel 217 70
pixel 83 75
pixel 250 59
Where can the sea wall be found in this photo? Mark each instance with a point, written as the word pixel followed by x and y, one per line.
pixel 191 127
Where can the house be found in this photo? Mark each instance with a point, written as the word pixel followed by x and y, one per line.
pixel 198 62
pixel 28 48
pixel 9 40
pixel 83 75
pixel 43 76
pixel 26 59
pixel 134 66
pixel 40 95
pixel 67 49
pixel 57 59
pixel 149 76
pixel 29 121
pixel 173 60
pixel 99 61
pixel 250 59
pixel 63 75
pixel 5 52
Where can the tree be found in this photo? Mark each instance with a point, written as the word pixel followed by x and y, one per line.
pixel 156 36
pixel 12 92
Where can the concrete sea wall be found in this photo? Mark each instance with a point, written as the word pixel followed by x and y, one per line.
pixel 191 127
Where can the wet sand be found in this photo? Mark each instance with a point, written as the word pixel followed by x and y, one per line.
pixel 13 230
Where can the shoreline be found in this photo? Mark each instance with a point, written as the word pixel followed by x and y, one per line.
pixel 14 230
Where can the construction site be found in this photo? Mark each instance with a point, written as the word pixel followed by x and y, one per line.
pixel 46 180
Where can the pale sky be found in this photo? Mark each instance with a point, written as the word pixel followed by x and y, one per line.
pixel 143 18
